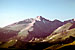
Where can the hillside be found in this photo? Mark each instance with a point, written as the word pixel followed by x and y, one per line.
pixel 36 32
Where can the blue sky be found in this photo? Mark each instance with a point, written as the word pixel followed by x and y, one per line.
pixel 16 10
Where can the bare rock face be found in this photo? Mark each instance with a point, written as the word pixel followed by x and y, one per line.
pixel 44 27
pixel 39 28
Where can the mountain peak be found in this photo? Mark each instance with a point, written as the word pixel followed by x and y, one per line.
pixel 71 20
pixel 39 18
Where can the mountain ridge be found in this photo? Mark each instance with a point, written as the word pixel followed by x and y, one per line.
pixel 38 27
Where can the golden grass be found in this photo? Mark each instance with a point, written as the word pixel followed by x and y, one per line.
pixel 58 46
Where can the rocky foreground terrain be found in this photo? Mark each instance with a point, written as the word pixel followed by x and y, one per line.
pixel 38 34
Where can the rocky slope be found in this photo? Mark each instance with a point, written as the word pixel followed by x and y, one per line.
pixel 37 32
pixel 39 28
pixel 17 26
pixel 36 28
pixel 5 35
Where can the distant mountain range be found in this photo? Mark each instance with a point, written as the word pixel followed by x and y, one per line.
pixel 38 32
pixel 32 28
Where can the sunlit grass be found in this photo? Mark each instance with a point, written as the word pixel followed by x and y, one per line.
pixel 58 46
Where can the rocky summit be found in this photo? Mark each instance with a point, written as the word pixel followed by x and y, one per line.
pixel 38 33
pixel 38 27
